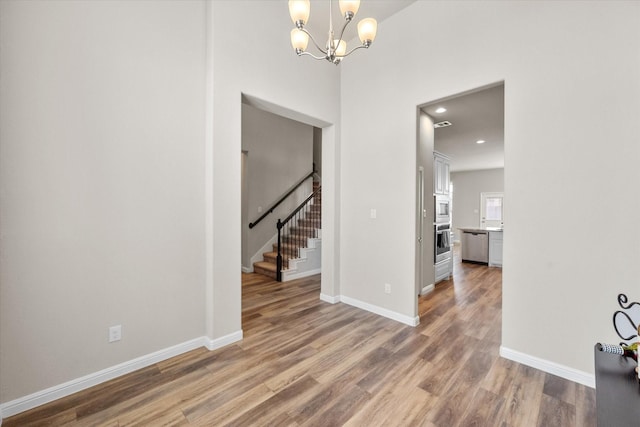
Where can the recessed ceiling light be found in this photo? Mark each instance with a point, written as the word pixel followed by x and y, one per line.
pixel 441 110
pixel 480 141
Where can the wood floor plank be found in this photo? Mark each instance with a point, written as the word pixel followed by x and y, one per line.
pixel 560 388
pixel 483 410
pixel 350 401
pixel 218 413
pixel 303 361
pixel 556 412
pixel 500 377
pixel 586 406
pixel 524 397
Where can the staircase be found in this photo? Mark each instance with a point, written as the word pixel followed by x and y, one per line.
pixel 300 245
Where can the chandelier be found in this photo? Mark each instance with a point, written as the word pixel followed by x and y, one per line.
pixel 335 48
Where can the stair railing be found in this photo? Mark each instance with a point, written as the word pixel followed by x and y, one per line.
pixel 282 199
pixel 304 218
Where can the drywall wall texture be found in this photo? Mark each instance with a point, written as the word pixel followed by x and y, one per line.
pixel 467 187
pixel 569 67
pixel 257 62
pixel 102 183
pixel 279 154
pixel 121 174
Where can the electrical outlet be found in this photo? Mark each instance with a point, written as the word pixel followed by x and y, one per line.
pixel 387 288
pixel 373 214
pixel 115 333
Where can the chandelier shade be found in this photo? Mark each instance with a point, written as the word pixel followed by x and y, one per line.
pixel 299 11
pixel 299 39
pixel 367 29
pixel 335 48
pixel 349 6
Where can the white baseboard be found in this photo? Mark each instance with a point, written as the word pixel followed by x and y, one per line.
pixel 50 394
pixel 222 341
pixel 411 321
pixel 247 269
pixel 330 299
pixel 550 367
pixel 428 289
pixel 294 276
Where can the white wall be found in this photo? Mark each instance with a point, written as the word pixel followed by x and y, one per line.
pixel 102 183
pixel 279 154
pixel 467 186
pixel 254 59
pixel 120 173
pixel 570 68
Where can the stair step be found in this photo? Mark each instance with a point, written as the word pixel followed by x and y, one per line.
pixel 287 248
pixel 310 222
pixel 296 239
pixel 265 268
pixel 272 258
pixel 303 231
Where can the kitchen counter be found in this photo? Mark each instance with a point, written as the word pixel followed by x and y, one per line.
pixel 480 229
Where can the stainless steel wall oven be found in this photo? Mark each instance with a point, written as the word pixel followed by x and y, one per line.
pixel 442 242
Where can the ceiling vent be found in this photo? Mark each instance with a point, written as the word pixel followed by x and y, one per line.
pixel 443 124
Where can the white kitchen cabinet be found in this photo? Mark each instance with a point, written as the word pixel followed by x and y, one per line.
pixel 495 248
pixel 440 174
pixel 443 269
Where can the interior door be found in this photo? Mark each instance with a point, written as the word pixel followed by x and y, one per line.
pixel 491 209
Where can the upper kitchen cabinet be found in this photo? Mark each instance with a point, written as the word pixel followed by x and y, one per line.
pixel 441 173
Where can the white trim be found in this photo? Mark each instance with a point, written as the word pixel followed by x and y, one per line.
pixel 50 394
pixel 222 341
pixel 329 298
pixel 247 269
pixel 286 277
pixel 411 321
pixel 428 289
pixel 550 367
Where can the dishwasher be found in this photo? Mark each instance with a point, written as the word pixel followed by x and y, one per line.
pixel 475 246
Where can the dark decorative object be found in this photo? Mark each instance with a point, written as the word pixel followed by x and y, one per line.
pixel 626 321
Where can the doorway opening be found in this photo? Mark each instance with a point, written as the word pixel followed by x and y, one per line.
pixel 283 163
pixel 466 133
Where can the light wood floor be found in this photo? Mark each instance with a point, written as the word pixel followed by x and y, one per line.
pixel 306 362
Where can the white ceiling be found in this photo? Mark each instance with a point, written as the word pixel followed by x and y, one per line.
pixel 474 116
pixel 318 24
